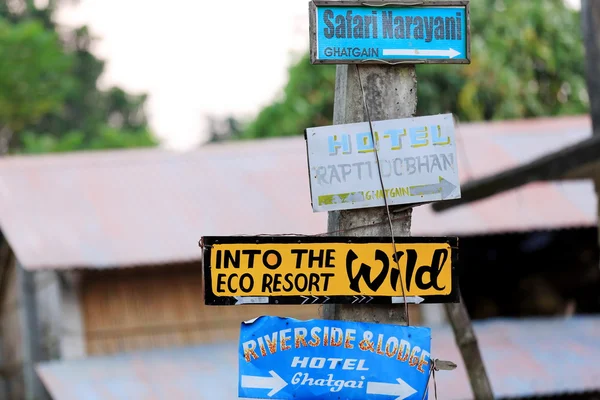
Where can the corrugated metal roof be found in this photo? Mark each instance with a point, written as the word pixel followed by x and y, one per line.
pixel 195 373
pixel 150 206
pixel 488 148
pixel 526 358
pixel 103 209
pixel 523 358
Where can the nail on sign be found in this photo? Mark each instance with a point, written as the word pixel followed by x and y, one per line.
pixel 346 32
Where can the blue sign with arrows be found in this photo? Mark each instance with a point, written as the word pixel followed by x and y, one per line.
pixel 285 358
pixel 346 32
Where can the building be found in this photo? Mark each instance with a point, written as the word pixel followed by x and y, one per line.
pixel 101 255
pixel 107 243
pixel 522 359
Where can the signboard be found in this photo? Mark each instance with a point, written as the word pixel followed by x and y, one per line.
pixel 284 358
pixel 349 32
pixel 317 270
pixel 417 159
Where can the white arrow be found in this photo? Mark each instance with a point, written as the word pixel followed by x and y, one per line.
pixel 450 53
pixel 275 382
pixel 307 298
pixel 409 300
pixel 400 389
pixel 361 299
pixel 251 300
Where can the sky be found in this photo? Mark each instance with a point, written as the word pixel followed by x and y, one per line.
pixel 196 58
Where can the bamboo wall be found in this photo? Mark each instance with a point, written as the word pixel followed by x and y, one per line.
pixel 151 307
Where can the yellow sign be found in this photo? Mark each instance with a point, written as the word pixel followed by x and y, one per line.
pixel 326 267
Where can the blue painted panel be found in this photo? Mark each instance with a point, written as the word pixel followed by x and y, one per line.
pixel 285 358
pixel 357 34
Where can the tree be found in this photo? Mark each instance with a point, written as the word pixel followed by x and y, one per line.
pixel 527 61
pixel 34 76
pixel 82 116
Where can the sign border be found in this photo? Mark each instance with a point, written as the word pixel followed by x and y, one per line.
pixel 210 299
pixel 312 18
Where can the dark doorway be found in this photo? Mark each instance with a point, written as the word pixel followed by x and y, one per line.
pixel 539 273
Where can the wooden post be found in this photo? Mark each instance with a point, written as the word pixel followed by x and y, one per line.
pixel 390 92
pixel 590 20
pixel 469 350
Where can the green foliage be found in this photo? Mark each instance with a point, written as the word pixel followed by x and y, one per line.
pixel 49 95
pixel 527 61
pixel 108 138
pixel 34 73
pixel 307 101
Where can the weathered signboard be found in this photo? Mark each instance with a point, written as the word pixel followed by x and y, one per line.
pixel 284 358
pixel 317 270
pixel 349 32
pixel 417 160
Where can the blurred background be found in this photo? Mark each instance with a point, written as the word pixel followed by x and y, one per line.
pixel 129 129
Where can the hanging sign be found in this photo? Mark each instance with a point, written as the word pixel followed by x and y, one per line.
pixel 317 270
pixel 284 358
pixel 417 163
pixel 349 32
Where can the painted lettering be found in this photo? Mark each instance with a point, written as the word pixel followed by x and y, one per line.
pixel 300 283
pixel 399 166
pixel 392 139
pixel 235 282
pixel 385 346
pixel 303 378
pixel 328 31
pixel 424 277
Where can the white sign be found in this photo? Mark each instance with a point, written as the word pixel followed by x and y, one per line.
pixel 417 158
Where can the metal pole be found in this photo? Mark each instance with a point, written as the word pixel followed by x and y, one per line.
pixel 30 342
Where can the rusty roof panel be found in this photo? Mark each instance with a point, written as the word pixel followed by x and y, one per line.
pixel 489 148
pixel 523 358
pixel 537 206
pixel 151 206
pixel 118 208
pixel 526 358
pixel 197 373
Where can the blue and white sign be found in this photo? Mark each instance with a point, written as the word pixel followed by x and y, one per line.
pixel 347 32
pixel 285 358
pixel 416 158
